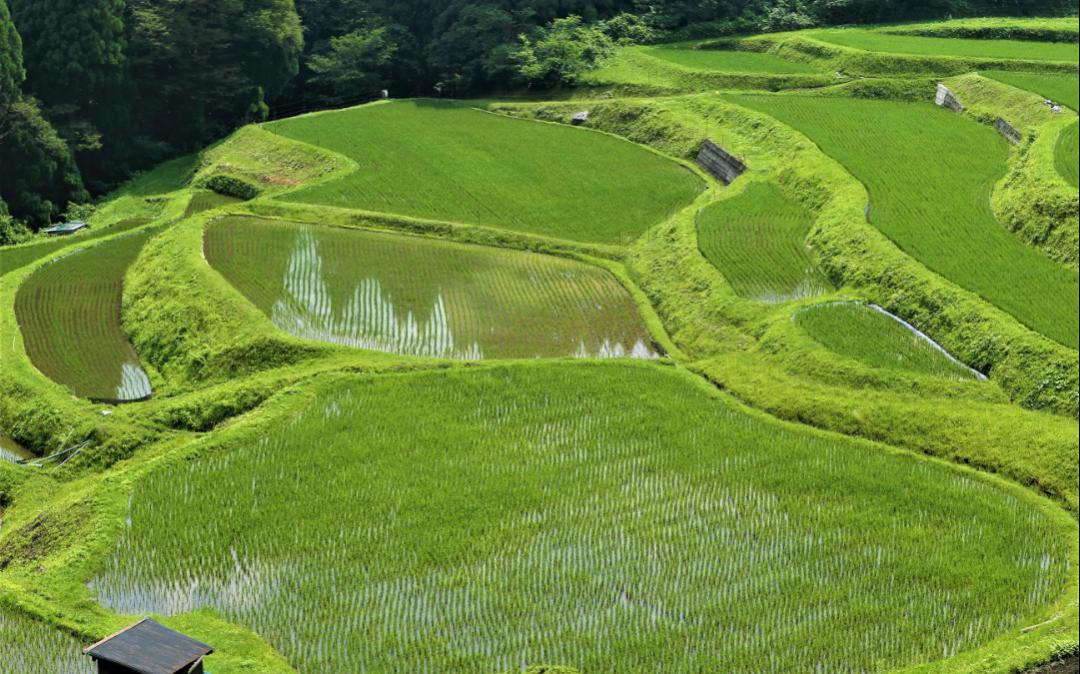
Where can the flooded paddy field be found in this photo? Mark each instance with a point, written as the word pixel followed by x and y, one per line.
pixel 580 513
pixel 879 339
pixel 13 451
pixel 423 297
pixel 29 647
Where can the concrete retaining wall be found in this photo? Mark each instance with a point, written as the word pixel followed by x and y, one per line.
pixel 1009 131
pixel 723 165
pixel 946 99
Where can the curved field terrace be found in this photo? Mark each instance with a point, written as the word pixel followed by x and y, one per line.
pixel 420 297
pixel 473 521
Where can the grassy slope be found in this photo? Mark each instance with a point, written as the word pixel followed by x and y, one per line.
pixel 444 161
pixel 876 41
pixel 728 60
pixel 858 331
pixel 421 297
pixel 676 506
pixel 758 241
pixel 938 210
pixel 69 311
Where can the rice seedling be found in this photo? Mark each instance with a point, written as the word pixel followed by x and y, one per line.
pixel 1067 154
pixel 423 297
pixel 930 173
pixel 69 314
pixel 205 200
pixel 727 60
pixel 878 41
pixel 758 242
pixel 877 338
pixel 17 257
pixel 28 647
pixel 444 161
pixel 616 517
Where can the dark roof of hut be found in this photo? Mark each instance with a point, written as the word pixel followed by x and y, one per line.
pixel 150 648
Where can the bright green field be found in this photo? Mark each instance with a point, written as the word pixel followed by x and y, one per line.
pixel 205 201
pixel 758 242
pixel 1025 50
pixel 727 60
pixel 448 162
pixel 471 520
pixel 28 647
pixel 1064 89
pixel 16 257
pixel 930 174
pixel 1066 154
pixel 423 297
pixel 69 313
pixel 862 332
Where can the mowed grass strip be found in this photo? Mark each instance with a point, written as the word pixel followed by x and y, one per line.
pixel 69 313
pixel 27 647
pixel 727 60
pixel 474 520
pixel 758 242
pixel 869 335
pixel 1067 154
pixel 930 174
pixel 424 297
pixel 1022 50
pixel 446 161
pixel 17 257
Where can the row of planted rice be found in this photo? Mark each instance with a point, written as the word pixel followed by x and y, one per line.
pixel 871 335
pixel 757 240
pixel 446 161
pixel 930 173
pixel 29 647
pixel 69 314
pixel 584 514
pixel 423 297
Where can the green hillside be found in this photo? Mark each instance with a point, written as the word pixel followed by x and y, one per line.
pixel 450 378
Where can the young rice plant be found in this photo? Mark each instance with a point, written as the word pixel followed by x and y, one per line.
pixel 616 517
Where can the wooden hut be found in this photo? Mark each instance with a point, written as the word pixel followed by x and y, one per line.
pixel 148 647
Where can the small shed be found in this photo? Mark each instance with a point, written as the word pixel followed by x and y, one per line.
pixel 148 647
pixel 67 228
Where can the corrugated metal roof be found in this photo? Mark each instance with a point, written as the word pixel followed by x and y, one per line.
pixel 150 648
pixel 67 227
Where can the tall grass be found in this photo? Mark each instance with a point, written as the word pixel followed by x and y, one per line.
pixel 69 313
pixel 615 517
pixel 862 332
pixel 758 242
pixel 727 60
pixel 423 297
pixel 1024 50
pixel 444 161
pixel 930 174
pixel 28 647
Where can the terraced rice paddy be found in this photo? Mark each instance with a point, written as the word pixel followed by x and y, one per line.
pixel 30 647
pixel 444 161
pixel 206 201
pixel 930 174
pixel 758 242
pixel 17 257
pixel 12 451
pixel 1024 50
pixel 874 337
pixel 475 520
pixel 727 60
pixel 423 297
pixel 69 314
